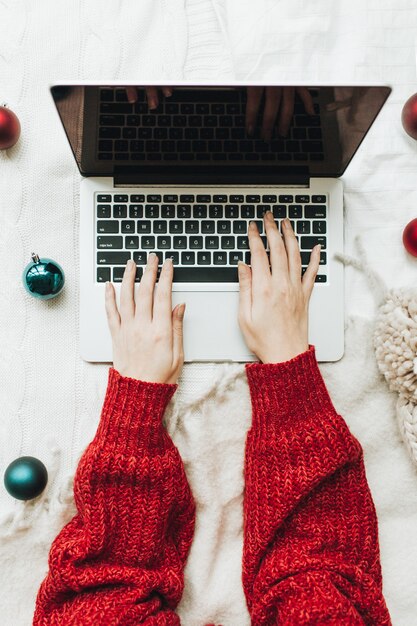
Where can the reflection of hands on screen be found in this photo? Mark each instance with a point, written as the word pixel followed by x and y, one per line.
pixel 152 97
pixel 278 108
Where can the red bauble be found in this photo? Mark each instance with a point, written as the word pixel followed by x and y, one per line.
pixel 409 116
pixel 410 237
pixel 9 128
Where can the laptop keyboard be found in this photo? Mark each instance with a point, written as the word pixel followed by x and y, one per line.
pixel 199 125
pixel 205 234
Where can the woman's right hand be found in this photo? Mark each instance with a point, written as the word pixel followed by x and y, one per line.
pixel 273 305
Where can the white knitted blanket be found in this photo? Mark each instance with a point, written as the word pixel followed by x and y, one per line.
pixel 50 400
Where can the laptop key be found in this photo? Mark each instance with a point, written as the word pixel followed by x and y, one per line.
pixel 136 210
pixel 171 254
pixel 151 210
pixel 303 199
pixel 152 198
pixel 247 211
pixel 196 242
pixel 286 199
pixel 164 242
pixel 119 271
pixel 207 227
pixel 235 257
pixel 312 211
pixel 236 198
pixel 228 243
pixel 204 199
pixel 132 243
pixel 120 210
pixel 295 210
pixel 170 198
pixel 219 258
pixel 143 226
pixel 242 243
pixel 253 198
pixel 148 242
pixel 187 258
pixel 103 210
pixel 180 242
pixel 319 228
pixel 321 278
pixel 220 198
pixel 112 258
pixel 318 199
pixel 223 227
pixel 168 210
pixel 204 258
pixel 192 227
pixel 215 210
pixel 107 226
pixel 200 210
pixel 303 227
pixel 305 257
pixel 240 227
pixel 103 274
pixel 137 198
pixel 176 227
pixel 111 243
pixel 212 242
pixel 104 198
pixel 231 211
pixel 140 257
pixel 160 226
pixel 261 209
pixel 308 243
pixel 128 226
pixel 184 211
pixel 204 274
pixel 109 133
pixel 269 199
pixel 279 211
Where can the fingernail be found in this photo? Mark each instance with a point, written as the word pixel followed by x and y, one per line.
pixel 152 103
pixel 168 260
pixel 240 266
pixel 107 286
pixel 151 256
pixel 318 247
pixel 269 215
pixel 130 264
pixel 181 310
pixel 168 92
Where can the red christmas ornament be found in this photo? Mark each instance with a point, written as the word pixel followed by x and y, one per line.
pixel 410 237
pixel 9 128
pixel 409 116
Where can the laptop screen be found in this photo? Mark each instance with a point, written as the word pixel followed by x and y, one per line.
pixel 315 130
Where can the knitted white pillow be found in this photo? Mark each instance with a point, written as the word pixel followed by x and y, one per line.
pixel 395 343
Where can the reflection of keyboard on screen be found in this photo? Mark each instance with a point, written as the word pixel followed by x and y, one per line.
pixel 205 234
pixel 199 125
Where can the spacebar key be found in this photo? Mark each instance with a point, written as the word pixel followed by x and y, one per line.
pixel 203 274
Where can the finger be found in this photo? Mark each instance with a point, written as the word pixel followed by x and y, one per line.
pixel 293 252
pixel 144 301
pixel 113 317
pixel 310 274
pixel 259 261
pixel 178 333
pixel 277 249
pixel 132 94
pixel 127 296
pixel 152 97
pixel 162 306
pixel 245 292
pixel 272 102
pixel 305 96
pixel 254 96
pixel 167 91
pixel 287 111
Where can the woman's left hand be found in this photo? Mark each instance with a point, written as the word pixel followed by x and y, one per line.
pixel 147 335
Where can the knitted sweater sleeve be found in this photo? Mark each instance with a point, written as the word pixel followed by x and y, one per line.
pixel 311 552
pixel 120 559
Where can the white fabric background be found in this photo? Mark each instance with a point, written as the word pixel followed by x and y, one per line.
pixel 50 400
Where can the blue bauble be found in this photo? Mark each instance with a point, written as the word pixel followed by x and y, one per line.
pixel 25 478
pixel 43 278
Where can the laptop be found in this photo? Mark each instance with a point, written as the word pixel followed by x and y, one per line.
pixel 184 180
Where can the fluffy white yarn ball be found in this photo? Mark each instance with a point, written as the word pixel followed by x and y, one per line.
pixel 395 342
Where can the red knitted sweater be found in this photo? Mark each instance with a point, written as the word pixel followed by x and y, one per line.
pixel 311 553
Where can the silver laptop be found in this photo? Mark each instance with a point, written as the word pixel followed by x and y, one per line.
pixel 184 179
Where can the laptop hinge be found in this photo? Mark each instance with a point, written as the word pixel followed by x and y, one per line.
pixel 212 175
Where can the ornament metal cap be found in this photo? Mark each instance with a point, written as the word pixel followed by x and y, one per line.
pixel 35 257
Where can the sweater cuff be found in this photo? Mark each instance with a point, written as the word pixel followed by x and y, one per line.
pixel 287 390
pixel 132 413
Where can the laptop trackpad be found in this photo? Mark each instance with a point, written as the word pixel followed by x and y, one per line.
pixel 211 327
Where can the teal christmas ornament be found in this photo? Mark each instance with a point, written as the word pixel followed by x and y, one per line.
pixel 25 478
pixel 43 278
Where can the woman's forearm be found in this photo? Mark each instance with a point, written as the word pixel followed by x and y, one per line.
pixel 121 558
pixel 311 544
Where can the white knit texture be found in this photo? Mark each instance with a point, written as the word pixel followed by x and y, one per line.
pixel 51 400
